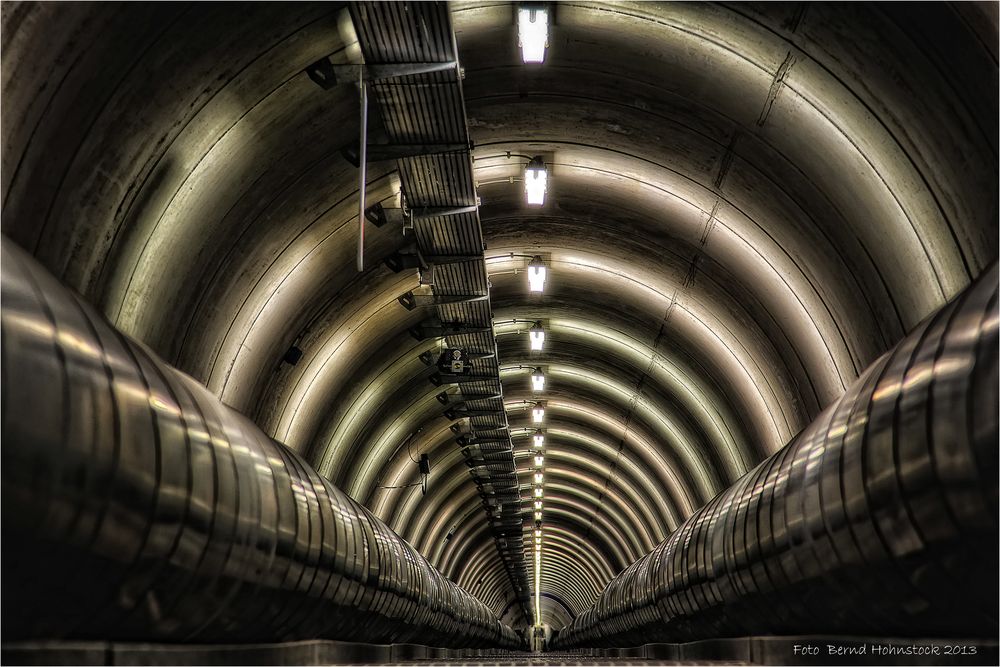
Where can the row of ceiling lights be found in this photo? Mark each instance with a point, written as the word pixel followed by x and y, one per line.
pixel 533 29
pixel 533 37
pixel 536 283
pixel 538 440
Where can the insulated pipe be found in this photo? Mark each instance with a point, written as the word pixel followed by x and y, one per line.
pixel 880 518
pixel 136 506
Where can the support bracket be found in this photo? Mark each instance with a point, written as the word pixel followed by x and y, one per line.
pixel 428 212
pixel 439 379
pixel 386 152
pixel 380 216
pixel 444 329
pixel 453 413
pixel 327 75
pixel 398 261
pixel 411 300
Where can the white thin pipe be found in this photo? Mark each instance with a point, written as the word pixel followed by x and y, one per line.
pixel 363 164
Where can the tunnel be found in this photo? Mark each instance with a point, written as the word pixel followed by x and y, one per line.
pixel 500 333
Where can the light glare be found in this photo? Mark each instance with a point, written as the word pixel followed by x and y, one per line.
pixel 533 34
pixel 535 179
pixel 537 380
pixel 537 335
pixel 536 278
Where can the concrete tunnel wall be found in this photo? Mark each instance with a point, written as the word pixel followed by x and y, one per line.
pixel 749 203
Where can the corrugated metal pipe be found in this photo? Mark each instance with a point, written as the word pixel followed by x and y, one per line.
pixel 136 506
pixel 878 519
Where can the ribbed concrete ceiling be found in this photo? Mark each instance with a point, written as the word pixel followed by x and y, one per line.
pixel 747 205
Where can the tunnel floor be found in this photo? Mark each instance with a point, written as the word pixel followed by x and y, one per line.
pixel 563 660
pixel 770 650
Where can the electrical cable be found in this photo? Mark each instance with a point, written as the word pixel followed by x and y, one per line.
pixel 505 154
pixel 409 440
pixel 404 486
pixel 409 454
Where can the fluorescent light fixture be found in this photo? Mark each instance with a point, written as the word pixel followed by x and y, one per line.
pixel 537 380
pixel 538 478
pixel 538 585
pixel 533 34
pixel 538 532
pixel 536 275
pixel 538 413
pixel 537 335
pixel 539 460
pixel 538 492
pixel 538 504
pixel 535 181
pixel 539 438
pixel 538 516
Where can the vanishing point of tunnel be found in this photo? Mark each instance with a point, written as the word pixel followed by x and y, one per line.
pixel 491 332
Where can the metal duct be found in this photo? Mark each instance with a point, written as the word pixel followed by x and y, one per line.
pixel 880 518
pixel 136 506
pixel 427 109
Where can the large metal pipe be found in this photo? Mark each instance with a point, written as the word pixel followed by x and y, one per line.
pixel 136 506
pixel 878 519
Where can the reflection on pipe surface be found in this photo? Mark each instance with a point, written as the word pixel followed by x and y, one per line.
pixel 136 506
pixel 880 518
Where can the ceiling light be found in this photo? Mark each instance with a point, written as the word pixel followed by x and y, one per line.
pixel 538 504
pixel 538 532
pixel 535 180
pixel 533 33
pixel 536 275
pixel 538 516
pixel 538 478
pixel 537 380
pixel 537 335
pixel 538 413
pixel 539 460
pixel 539 438
pixel 538 492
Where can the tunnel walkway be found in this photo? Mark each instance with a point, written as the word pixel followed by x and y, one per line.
pixel 557 658
pixel 803 650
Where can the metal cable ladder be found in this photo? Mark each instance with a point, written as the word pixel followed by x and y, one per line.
pixel 412 75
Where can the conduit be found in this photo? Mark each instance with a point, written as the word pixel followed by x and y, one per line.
pixel 138 507
pixel 877 519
